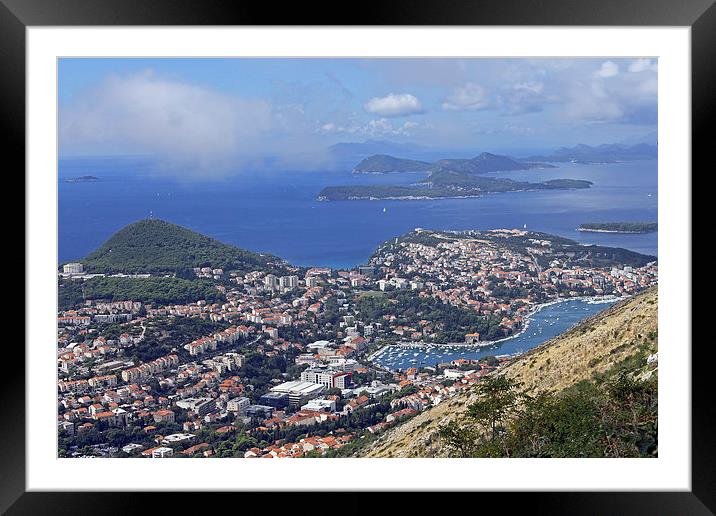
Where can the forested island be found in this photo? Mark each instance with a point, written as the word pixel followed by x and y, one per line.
pixel 444 185
pixel 618 227
pixel 480 164
pixel 448 178
pixel 384 164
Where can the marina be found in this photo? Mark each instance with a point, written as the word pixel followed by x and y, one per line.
pixel 546 322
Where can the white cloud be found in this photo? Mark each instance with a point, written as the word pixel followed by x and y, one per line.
pixel 608 69
pixel 394 105
pixel 185 124
pixel 593 102
pixel 469 97
pixel 649 87
pixel 384 127
pixel 373 128
pixel 642 65
pixel 525 97
pixel 531 86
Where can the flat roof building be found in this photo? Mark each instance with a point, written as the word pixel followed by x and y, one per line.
pixel 200 406
pixel 279 400
pixel 320 405
pixel 260 411
pixel 299 392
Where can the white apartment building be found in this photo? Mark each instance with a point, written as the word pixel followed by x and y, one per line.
pixel 270 281
pixel 238 405
pixel 327 377
pixel 287 282
pixel 73 268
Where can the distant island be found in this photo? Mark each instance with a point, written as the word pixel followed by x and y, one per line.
pixel 385 164
pixel 481 164
pixel 607 153
pixel 80 179
pixel 618 227
pixel 444 184
pixel 447 179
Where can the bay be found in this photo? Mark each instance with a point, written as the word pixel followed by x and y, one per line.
pixel 546 323
pixel 277 212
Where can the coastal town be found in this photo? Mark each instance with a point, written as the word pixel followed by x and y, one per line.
pixel 280 366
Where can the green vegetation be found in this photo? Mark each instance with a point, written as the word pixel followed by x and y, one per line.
pixel 158 290
pixel 481 164
pixel 570 252
pixel 352 192
pixel 620 227
pixel 484 163
pixel 258 370
pixel 442 184
pixel 454 180
pixel 383 164
pixel 165 334
pixel 449 323
pixel 155 246
pixel 356 422
pixel 615 415
pixel 69 294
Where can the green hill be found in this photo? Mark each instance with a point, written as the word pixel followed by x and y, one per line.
pixel 383 164
pixel 155 246
pixel 484 163
pixel 444 184
pixel 481 164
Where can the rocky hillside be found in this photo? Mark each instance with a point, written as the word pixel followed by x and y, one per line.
pixel 590 348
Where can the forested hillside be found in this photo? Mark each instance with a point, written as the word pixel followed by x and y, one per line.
pixel 155 246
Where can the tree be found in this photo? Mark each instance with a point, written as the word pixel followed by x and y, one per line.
pixel 498 399
pixel 480 431
pixel 614 416
pixel 333 391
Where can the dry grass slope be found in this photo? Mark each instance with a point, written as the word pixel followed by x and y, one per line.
pixel 591 347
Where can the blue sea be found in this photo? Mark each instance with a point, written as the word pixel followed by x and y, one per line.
pixel 547 323
pixel 277 212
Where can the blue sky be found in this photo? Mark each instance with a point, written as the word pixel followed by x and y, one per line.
pixel 215 112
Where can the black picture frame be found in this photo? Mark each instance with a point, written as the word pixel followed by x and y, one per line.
pixel 700 15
